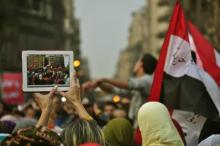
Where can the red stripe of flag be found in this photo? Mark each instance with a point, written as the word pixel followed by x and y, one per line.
pixel 206 53
pixel 177 27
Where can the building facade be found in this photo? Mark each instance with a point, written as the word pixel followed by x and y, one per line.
pixel 36 25
pixel 205 14
pixel 158 19
pixel 138 34
pixel 146 34
pixel 42 61
pixel 150 24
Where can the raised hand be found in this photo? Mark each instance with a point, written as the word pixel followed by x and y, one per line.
pixel 73 95
pixel 45 102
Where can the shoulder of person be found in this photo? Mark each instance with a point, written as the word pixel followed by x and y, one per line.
pixel 146 77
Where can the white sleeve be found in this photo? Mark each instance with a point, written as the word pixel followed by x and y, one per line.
pixel 213 140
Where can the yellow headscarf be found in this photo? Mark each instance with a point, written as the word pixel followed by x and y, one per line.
pixel 156 126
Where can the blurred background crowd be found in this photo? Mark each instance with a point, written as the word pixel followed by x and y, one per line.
pixel 54 25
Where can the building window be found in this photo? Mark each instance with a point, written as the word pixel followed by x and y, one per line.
pixel 164 18
pixel 24 4
pixel 161 35
pixel 163 3
pixel 36 4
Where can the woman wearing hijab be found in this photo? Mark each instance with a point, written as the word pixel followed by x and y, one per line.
pixel 156 126
pixel 118 132
pixel 80 131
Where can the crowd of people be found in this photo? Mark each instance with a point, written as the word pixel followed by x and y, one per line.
pixel 77 122
pixel 48 75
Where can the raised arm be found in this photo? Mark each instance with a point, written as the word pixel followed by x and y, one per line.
pixel 45 103
pixel 106 87
pixel 73 96
pixel 116 83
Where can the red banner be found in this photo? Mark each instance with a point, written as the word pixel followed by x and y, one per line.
pixel 12 88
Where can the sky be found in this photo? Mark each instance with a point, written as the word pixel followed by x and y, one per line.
pixel 104 28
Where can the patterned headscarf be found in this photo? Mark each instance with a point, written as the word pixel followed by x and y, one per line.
pixel 32 136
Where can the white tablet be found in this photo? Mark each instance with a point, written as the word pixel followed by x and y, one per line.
pixel 42 70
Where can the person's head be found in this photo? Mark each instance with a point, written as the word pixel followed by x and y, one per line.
pixel 118 132
pixel 9 118
pixel 88 106
pixel 82 131
pixel 29 112
pixel 7 126
pixel 119 113
pixel 156 125
pixel 145 65
pixel 109 108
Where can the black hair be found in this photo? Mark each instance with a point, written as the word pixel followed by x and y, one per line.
pixel 149 63
pixel 110 103
pixel 193 54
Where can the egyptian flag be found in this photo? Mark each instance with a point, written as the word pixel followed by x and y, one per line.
pixel 178 82
pixel 207 57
